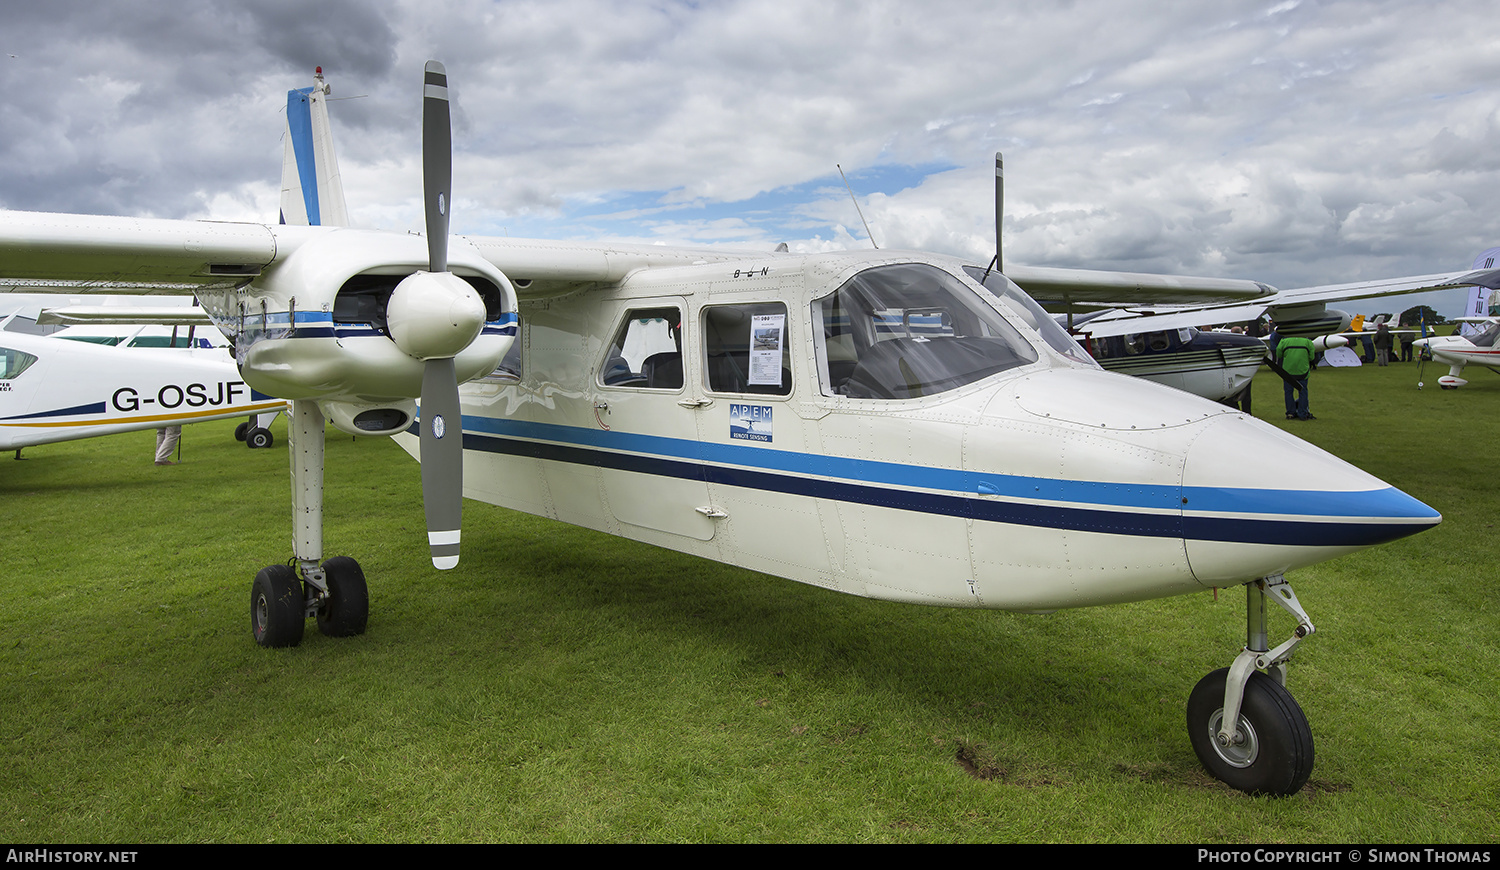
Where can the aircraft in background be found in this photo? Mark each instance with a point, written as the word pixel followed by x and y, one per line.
pixel 1147 325
pixel 55 390
pixel 1458 351
pixel 874 422
pixel 1300 312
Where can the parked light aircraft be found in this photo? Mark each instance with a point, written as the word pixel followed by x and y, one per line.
pixel 875 423
pixel 52 389
pixel 1161 344
pixel 1457 351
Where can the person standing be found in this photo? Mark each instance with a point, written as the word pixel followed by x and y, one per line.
pixel 1383 344
pixel 1295 356
pixel 166 443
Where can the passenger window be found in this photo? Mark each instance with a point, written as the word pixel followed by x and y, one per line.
pixel 646 351
pixel 745 349
pixel 13 362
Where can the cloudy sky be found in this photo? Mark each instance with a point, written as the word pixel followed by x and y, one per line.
pixel 1296 143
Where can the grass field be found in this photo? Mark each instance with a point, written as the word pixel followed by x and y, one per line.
pixel 561 685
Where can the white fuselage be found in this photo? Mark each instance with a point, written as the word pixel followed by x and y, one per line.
pixel 1457 351
pixel 1047 485
pixel 60 390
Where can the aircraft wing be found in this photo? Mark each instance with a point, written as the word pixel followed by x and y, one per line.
pixel 125 315
pixel 1098 288
pixel 1136 320
pixel 541 268
pixel 63 253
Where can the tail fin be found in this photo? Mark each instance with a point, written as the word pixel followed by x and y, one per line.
pixel 1479 297
pixel 312 194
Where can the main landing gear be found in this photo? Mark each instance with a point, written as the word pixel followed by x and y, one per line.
pixel 333 591
pixel 1244 725
pixel 335 594
pixel 253 434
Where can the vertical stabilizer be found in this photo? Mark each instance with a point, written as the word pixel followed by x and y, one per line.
pixel 312 193
pixel 1478 304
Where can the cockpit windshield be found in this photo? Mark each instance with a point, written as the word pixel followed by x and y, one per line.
pixel 1487 337
pixel 1056 337
pixel 910 330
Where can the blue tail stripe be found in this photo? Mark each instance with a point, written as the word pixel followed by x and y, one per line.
pixel 299 122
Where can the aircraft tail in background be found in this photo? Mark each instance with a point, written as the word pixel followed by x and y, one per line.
pixel 312 194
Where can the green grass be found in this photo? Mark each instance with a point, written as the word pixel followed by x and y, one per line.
pixel 561 685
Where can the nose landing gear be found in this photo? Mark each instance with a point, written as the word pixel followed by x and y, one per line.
pixel 1246 728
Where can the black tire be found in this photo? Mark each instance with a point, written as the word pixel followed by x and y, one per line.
pixel 240 430
pixel 347 608
pixel 258 438
pixel 277 613
pixel 1278 757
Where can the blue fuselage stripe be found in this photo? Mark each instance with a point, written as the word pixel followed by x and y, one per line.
pixel 909 488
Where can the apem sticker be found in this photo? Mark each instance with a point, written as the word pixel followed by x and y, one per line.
pixel 750 422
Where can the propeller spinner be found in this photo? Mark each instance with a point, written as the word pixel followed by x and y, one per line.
pixel 434 315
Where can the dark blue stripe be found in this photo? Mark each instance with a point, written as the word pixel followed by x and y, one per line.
pixel 1107 495
pixel 1160 525
pixel 96 408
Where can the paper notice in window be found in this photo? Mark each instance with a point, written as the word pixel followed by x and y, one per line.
pixel 765 348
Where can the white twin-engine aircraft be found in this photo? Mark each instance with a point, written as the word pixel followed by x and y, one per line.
pixel 875 422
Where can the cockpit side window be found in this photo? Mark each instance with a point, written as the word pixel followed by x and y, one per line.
pixel 910 330
pixel 646 351
pixel 13 362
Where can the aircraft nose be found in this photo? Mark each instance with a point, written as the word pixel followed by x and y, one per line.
pixel 1257 502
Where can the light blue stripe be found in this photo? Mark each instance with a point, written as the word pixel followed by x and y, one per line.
pixel 1389 502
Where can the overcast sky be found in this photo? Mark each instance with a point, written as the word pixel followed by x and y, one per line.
pixel 1296 143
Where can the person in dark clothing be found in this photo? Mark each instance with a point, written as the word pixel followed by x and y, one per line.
pixel 1383 344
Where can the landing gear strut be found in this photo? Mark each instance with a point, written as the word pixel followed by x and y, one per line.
pixel 334 591
pixel 1245 727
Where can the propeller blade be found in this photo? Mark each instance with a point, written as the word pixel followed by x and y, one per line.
pixel 442 460
pixel 437 163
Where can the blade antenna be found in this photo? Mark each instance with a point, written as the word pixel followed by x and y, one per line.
pixel 997 264
pixel 856 207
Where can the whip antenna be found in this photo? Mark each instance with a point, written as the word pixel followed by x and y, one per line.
pixel 856 206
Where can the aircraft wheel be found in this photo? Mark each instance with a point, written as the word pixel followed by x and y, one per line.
pixel 1277 755
pixel 1446 387
pixel 240 430
pixel 277 612
pixel 347 608
pixel 257 438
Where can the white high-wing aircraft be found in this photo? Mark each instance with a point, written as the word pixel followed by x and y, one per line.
pixel 1303 311
pixel 52 389
pixel 1151 333
pixel 875 423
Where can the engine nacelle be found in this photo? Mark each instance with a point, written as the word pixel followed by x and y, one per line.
pixel 329 321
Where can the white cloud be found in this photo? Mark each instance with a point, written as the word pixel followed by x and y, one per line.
pixel 1294 143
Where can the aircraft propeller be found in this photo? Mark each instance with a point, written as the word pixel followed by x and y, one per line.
pixel 998 264
pixel 433 315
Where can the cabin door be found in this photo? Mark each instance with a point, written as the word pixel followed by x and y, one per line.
pixel 646 398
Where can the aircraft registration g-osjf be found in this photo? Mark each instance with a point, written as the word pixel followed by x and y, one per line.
pixel 55 390
pixel 874 422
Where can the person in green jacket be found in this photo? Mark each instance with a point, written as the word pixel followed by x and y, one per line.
pixel 1295 356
